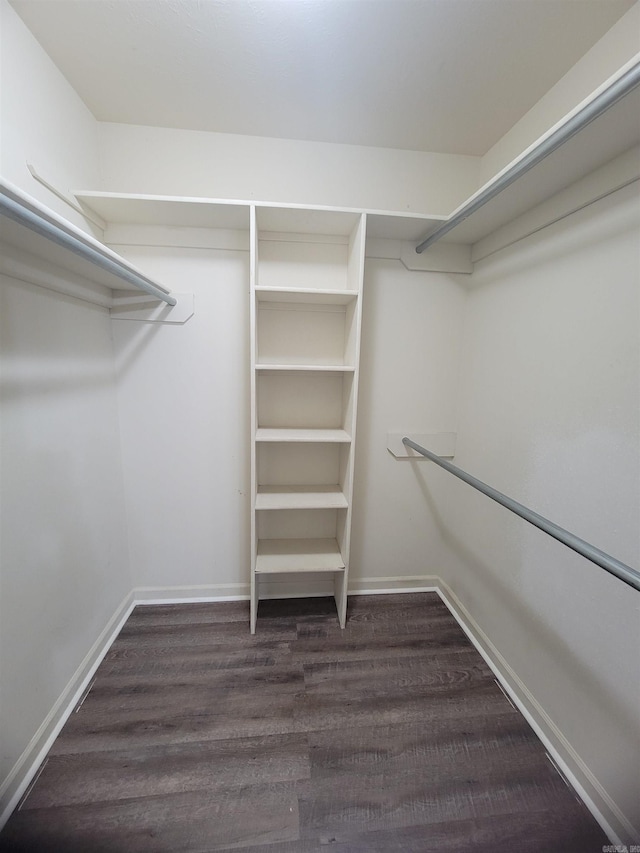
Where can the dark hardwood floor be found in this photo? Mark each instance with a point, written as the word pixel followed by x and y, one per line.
pixel 391 735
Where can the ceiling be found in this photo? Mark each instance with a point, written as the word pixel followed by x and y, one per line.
pixel 430 75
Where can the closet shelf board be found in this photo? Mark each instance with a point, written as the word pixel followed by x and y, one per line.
pixel 206 212
pixel 339 436
pixel 301 497
pixel 315 368
pixel 302 295
pixel 186 212
pixel 277 556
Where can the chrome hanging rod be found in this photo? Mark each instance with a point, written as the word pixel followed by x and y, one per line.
pixel 610 564
pixel 595 108
pixel 13 209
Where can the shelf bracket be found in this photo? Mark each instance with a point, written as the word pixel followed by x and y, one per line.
pixel 440 443
pixel 136 306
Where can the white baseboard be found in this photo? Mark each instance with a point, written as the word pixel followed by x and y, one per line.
pixel 613 822
pixel 25 768
pixel 389 586
pixel 281 589
pixel 191 594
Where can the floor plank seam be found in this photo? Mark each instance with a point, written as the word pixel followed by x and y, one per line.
pixel 390 735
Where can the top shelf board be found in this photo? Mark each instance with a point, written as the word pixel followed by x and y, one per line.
pixel 126 209
pixel 202 212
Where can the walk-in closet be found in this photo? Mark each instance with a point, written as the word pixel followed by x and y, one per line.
pixel 320 425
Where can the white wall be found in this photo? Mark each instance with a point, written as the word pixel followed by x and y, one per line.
pixel 549 414
pixel 411 328
pixel 184 400
pixel 223 165
pixel 64 567
pixel 42 120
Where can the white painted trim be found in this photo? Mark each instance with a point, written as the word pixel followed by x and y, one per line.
pixel 25 768
pixel 393 585
pixel 145 309
pixel 191 594
pixel 613 822
pixel 240 592
pixel 200 599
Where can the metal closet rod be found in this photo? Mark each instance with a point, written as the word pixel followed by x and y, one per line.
pixel 18 213
pixel 605 561
pixel 622 86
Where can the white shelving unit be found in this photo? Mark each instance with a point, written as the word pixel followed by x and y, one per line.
pixel 306 303
pixel 226 214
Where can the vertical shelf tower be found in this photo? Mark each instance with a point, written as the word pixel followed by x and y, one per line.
pixel 306 304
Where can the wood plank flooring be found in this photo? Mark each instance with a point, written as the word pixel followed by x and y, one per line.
pixel 391 735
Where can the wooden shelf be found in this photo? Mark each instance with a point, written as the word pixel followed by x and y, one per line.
pixel 232 214
pixel 339 436
pixel 305 344
pixel 187 212
pixel 301 497
pixel 314 368
pixel 278 556
pixel 305 296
